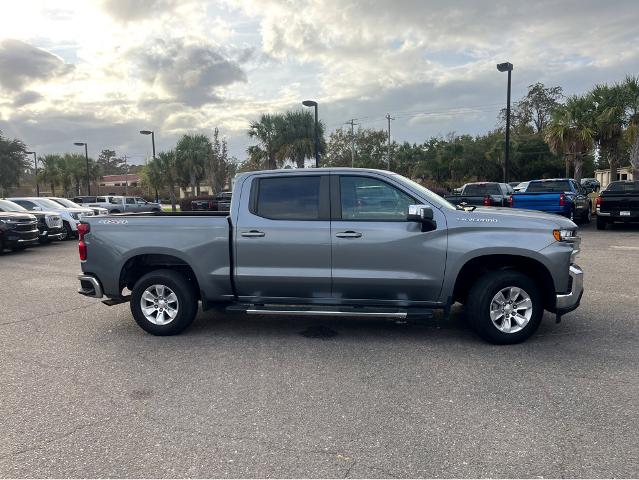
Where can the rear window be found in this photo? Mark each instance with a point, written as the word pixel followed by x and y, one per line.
pixel 289 198
pixel 550 186
pixel 623 187
pixel 478 189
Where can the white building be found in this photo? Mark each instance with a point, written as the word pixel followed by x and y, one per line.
pixel 623 173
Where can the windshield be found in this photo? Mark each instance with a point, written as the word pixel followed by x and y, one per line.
pixel 432 197
pixel 46 203
pixel 66 203
pixel 8 206
pixel 549 186
pixel 478 189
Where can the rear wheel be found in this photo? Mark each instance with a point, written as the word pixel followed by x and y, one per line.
pixel 163 302
pixel 601 223
pixel 505 307
pixel 587 216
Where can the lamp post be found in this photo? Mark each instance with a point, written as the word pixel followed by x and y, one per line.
pixel 86 155
pixel 35 164
pixel 313 103
pixel 506 67
pixel 150 132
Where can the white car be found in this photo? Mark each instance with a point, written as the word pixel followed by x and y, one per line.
pixel 70 216
pixel 69 204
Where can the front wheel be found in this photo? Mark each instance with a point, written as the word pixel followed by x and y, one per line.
pixel 68 232
pixel 505 307
pixel 163 302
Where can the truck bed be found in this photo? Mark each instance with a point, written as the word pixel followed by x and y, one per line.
pixel 199 239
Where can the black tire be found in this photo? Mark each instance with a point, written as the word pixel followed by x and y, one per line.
pixel 115 211
pixel 587 216
pixel 573 217
pixel 602 223
pixel 69 231
pixel 155 210
pixel 481 296
pixel 186 296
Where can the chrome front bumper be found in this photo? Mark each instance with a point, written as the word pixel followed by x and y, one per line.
pixel 569 301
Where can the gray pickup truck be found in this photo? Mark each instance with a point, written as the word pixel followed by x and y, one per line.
pixel 344 242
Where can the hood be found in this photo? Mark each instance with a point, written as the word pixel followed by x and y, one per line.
pixel 17 216
pixel 514 217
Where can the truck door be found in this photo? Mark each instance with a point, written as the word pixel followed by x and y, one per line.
pixel 282 238
pixel 377 254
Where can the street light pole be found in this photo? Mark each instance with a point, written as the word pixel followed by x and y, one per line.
pixel 313 103
pixel 152 133
pixel 35 164
pixel 507 67
pixel 86 156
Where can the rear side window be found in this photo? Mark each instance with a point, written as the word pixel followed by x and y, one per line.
pixel 100 200
pixel 551 186
pixel 480 189
pixel 289 198
pixel 130 201
pixel 623 187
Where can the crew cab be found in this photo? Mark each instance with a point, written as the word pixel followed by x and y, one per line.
pixel 562 196
pixel 336 241
pixel 49 223
pixel 487 194
pixel 619 202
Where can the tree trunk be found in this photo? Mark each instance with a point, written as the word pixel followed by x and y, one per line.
pixel 634 157
pixel 192 184
pixel 299 162
pixel 579 161
pixel 172 194
pixel 52 189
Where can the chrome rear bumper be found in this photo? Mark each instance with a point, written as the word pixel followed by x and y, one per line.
pixel 90 286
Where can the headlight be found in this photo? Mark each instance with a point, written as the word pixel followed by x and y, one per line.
pixel 74 215
pixel 564 235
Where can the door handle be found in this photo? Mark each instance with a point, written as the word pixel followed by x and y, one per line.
pixel 348 234
pixel 253 234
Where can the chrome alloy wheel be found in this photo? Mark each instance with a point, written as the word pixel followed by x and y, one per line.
pixel 511 309
pixel 159 304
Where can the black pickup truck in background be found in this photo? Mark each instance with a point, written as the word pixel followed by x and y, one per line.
pixel 619 202
pixel 17 230
pixel 221 203
pixel 487 194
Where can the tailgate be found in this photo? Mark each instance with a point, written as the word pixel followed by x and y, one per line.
pixel 537 201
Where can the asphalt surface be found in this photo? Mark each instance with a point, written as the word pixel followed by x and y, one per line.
pixel 86 393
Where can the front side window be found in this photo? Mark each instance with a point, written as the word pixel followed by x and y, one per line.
pixel 289 198
pixel 364 198
pixel 130 201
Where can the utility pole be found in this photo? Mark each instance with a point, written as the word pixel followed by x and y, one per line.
pixel 388 158
pixel 352 123
pixel 126 176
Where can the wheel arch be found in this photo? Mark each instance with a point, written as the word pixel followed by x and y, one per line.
pixel 477 266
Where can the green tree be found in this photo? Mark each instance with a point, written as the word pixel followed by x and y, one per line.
pixel 608 116
pixel 13 163
pixel 370 147
pixel 219 167
pixel 168 167
pixel 49 173
pixel 570 132
pixel 153 175
pixel 631 89
pixel 192 152
pixel 296 137
pixel 110 163
pixel 267 131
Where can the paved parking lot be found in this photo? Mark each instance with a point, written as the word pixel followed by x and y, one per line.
pixel 86 393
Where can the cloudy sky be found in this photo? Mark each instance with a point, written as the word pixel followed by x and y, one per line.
pixel 99 71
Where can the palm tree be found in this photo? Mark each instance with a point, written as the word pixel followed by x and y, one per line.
pixel 631 87
pixel 152 175
pixel 570 132
pixel 192 152
pixel 609 110
pixel 50 171
pixel 297 137
pixel 267 131
pixel 168 168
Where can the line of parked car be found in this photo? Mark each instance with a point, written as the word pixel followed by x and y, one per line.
pixel 27 221
pixel 619 202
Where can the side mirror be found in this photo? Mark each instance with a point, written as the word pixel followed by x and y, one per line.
pixel 422 214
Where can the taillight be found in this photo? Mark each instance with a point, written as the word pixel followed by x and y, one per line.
pixel 562 199
pixel 487 201
pixel 510 201
pixel 83 229
pixel 598 201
